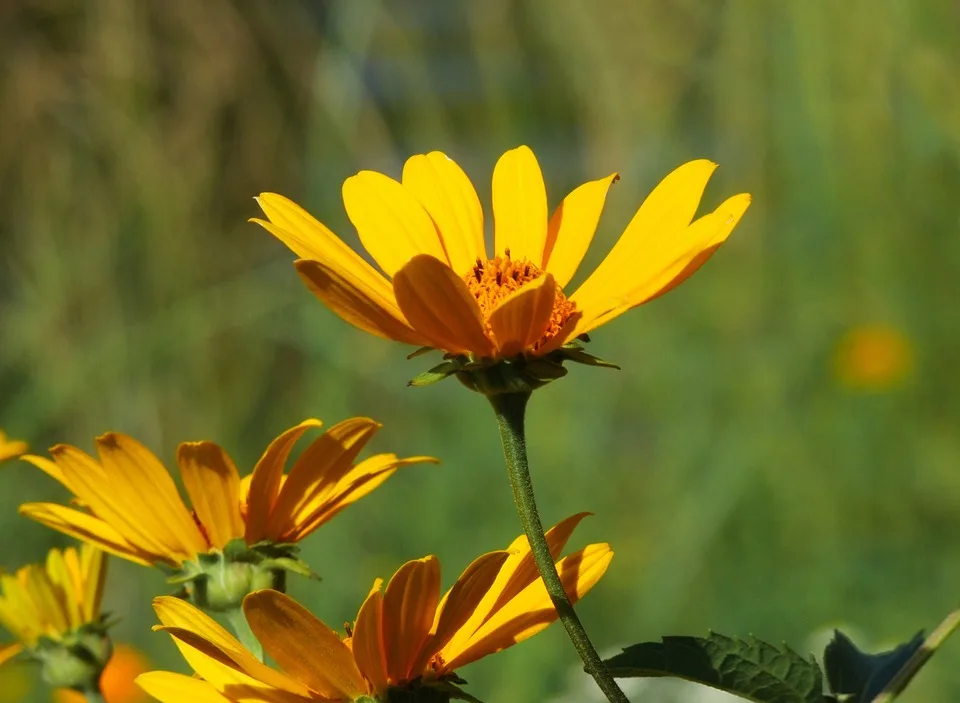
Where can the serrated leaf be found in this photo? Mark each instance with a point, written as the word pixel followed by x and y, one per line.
pixel 861 675
pixel 751 669
pixel 437 373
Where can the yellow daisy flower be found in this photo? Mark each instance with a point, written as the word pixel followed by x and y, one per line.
pixel 426 234
pixel 240 533
pixel 53 612
pixel 406 637
pixel 10 448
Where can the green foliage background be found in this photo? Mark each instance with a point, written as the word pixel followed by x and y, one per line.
pixel 742 487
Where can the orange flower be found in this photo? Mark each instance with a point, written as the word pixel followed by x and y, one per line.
pixel 117 682
pixel 405 636
pixel 873 358
pixel 426 234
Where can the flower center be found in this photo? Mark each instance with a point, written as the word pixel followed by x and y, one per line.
pixel 493 280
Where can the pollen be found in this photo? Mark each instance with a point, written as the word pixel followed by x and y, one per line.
pixel 493 280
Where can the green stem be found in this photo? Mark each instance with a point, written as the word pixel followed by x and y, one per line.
pixel 241 629
pixel 510 409
pixel 919 658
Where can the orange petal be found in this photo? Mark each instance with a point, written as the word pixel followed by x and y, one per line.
pixel 355 304
pixel 519 206
pixel 572 227
pixel 9 651
pixel 391 222
pixel 368 648
pixel 521 319
pixel 265 482
pixel 409 607
pixel 440 307
pixel 213 484
pixel 448 196
pixel 302 645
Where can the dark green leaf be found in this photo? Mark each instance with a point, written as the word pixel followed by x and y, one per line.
pixel 437 373
pixel 751 669
pixel 861 675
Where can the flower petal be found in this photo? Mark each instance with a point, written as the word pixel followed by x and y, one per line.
pixel 664 213
pixel 391 222
pixel 213 484
pixel 356 304
pixel 266 478
pixel 368 648
pixel 89 529
pixel 532 610
pixel 519 206
pixel 302 645
pixel 451 200
pixel 440 307
pixel 521 319
pixel 409 607
pixel 9 651
pixel 48 467
pixel 669 263
pixel 572 227
pixel 169 687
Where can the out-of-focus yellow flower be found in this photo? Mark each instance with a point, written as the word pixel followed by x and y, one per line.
pixel 240 533
pixel 53 611
pixel 117 682
pixel 11 448
pixel 426 234
pixel 873 358
pixel 406 636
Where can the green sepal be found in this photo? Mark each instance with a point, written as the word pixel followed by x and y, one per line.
pixel 860 675
pixel 576 353
pixel 419 352
pixel 295 566
pixel 437 373
pixel 454 692
pixel 752 669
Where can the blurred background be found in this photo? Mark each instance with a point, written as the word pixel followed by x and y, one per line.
pixel 779 454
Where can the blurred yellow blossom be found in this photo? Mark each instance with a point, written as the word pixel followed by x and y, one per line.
pixel 873 358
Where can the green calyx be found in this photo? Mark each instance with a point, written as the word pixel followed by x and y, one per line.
pixel 219 580
pixel 520 374
pixel 77 659
pixel 441 690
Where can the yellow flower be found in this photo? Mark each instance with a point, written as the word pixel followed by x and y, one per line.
pixel 873 358
pixel 117 682
pixel 130 505
pixel 10 448
pixel 405 636
pixel 426 234
pixel 53 611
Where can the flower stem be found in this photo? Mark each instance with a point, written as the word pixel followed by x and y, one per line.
pixel 510 409
pixel 919 658
pixel 243 632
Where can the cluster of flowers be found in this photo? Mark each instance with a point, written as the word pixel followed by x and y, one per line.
pixel 505 327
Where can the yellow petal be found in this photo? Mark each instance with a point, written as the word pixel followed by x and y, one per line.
pixel 440 307
pixel 149 494
pixel 521 319
pixel 63 583
pixel 572 227
pixel 448 196
pixel 409 606
pixel 87 528
pixel 168 687
pixel 213 484
pixel 50 468
pixel 318 470
pixel 665 212
pixel 354 304
pixel 391 222
pixel 302 645
pixel 265 482
pixel 532 610
pixel 93 576
pixel 519 206
pixel 11 448
pixel 309 239
pixel 669 263
pixel 9 651
pixel 368 648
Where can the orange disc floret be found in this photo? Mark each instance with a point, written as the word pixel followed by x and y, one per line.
pixel 493 280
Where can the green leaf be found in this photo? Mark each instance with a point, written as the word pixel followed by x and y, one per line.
pixel 437 373
pixel 751 669
pixel 864 676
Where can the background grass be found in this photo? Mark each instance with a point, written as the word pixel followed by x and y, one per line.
pixel 744 487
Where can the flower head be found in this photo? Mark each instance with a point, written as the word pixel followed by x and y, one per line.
pixel 239 534
pixel 53 612
pixel 426 234
pixel 10 448
pixel 406 637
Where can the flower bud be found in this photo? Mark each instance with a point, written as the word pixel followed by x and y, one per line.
pixel 75 661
